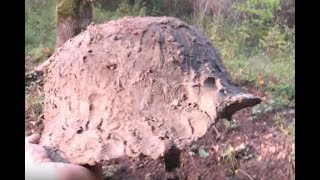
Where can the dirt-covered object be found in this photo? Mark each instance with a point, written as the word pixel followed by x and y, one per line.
pixel 135 86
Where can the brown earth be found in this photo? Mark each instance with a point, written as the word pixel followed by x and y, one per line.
pixel 265 155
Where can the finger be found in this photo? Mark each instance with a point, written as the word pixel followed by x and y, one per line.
pixel 65 171
pixel 33 139
pixel 76 172
pixel 36 153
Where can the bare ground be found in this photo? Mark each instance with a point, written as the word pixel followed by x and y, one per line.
pixel 246 149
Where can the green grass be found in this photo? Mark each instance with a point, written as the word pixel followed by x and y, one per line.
pixel 39 28
pixel 269 65
pixel 101 15
pixel 34 105
pixel 287 128
pixel 229 157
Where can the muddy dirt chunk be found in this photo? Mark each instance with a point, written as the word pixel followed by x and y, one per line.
pixel 118 100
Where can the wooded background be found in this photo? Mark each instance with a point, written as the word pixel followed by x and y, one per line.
pixel 256 38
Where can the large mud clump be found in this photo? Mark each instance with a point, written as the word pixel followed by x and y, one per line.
pixel 135 86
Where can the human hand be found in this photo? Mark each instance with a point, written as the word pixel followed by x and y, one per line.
pixel 39 166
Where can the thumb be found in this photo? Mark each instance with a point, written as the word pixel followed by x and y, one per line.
pixel 33 139
pixel 60 171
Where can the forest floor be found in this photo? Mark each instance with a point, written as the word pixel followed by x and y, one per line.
pixel 250 147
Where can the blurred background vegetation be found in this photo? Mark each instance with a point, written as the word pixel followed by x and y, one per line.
pixel 256 38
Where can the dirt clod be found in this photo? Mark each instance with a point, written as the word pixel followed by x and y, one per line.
pixel 135 86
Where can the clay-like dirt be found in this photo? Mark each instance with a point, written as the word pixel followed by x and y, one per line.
pixel 137 85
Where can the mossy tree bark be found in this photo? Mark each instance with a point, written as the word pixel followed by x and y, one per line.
pixel 72 17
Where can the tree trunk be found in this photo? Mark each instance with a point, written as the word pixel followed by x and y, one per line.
pixel 73 16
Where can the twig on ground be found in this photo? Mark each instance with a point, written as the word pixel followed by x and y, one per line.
pixel 216 131
pixel 243 172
